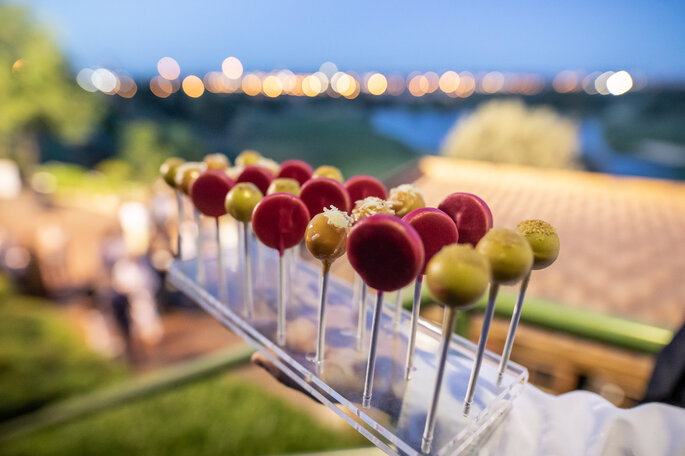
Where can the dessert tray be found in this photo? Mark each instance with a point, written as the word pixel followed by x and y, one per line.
pixel 395 419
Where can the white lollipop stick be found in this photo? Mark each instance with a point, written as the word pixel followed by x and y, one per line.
pixel 416 307
pixel 447 330
pixel 487 319
pixel 280 328
pixel 181 216
pixel 200 273
pixel 223 290
pixel 361 323
pixel 321 332
pixel 261 273
pixel 508 345
pixel 249 303
pixel 371 363
pixel 398 309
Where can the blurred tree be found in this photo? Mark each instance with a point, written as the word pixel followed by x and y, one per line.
pixel 507 131
pixel 145 144
pixel 37 92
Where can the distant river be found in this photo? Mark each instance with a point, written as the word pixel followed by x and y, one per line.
pixel 425 129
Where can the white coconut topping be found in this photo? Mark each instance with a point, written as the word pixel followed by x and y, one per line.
pixel 337 218
pixel 405 188
pixel 369 206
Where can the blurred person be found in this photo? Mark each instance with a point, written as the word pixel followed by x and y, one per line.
pixel 668 378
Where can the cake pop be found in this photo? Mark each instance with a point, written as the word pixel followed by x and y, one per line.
pixel 360 187
pixel 457 276
pixel 257 175
pixel 208 193
pixel 247 157
pixel 240 203
pixel 471 214
pixel 320 192
pixel 326 239
pixel 544 241
pixel 168 172
pixel 296 169
pixel 186 174
pixel 510 258
pixel 387 253
pixel 279 220
pixel 329 171
pixel 363 208
pixel 218 162
pixel 405 198
pixel 284 185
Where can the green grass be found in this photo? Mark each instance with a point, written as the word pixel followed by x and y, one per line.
pixel 338 135
pixel 222 416
pixel 42 359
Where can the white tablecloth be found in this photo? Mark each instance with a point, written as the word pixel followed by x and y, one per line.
pixel 583 423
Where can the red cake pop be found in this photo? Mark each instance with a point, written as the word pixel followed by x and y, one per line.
pixel 257 175
pixel 359 187
pixel 208 192
pixel 435 228
pixel 323 192
pixel 296 169
pixel 471 214
pixel 280 220
pixel 385 251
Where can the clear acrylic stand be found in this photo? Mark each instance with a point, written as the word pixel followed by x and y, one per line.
pixel 395 421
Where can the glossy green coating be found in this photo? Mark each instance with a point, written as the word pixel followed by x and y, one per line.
pixel 187 173
pixel 284 185
pixel 509 254
pixel 247 157
pixel 168 170
pixel 217 161
pixel 543 239
pixel 242 199
pixel 458 275
pixel 329 171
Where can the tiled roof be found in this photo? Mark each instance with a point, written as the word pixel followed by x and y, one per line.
pixel 622 239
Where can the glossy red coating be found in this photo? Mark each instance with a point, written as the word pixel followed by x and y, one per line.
pixel 471 214
pixel 209 190
pixel 296 169
pixel 323 192
pixel 257 175
pixel 435 228
pixel 279 220
pixel 360 187
pixel 385 251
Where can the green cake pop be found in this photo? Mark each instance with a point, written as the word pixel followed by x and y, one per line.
pixel 457 276
pixel 168 170
pixel 217 161
pixel 511 258
pixel 510 255
pixel 543 239
pixel 241 201
pixel 284 185
pixel 247 157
